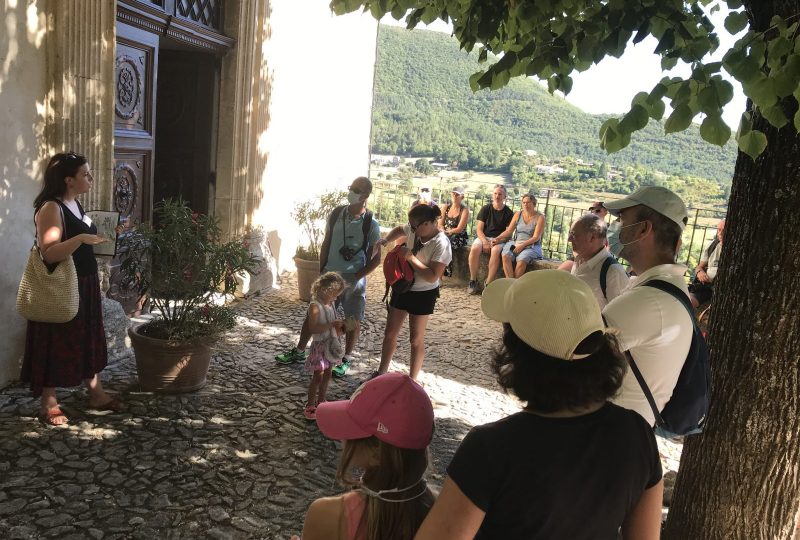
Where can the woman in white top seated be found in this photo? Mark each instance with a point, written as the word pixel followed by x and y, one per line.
pixel 428 252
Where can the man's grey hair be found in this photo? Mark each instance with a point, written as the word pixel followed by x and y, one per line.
pixel 594 224
pixel 501 186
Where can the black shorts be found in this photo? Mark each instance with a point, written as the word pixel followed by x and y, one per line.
pixel 416 302
pixel 702 291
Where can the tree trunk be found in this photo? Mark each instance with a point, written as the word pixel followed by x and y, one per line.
pixel 740 479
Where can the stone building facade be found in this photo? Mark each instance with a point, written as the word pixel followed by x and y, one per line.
pixel 241 107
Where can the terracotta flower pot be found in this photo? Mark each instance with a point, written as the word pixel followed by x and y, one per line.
pixel 170 367
pixel 307 273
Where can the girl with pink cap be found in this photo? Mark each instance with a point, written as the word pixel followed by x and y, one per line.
pixel 386 427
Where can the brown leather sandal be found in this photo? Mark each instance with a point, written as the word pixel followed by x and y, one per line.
pixel 52 417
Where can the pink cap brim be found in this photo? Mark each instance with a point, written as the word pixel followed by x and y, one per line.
pixel 334 421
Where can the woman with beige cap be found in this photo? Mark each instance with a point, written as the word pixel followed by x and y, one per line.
pixel 570 464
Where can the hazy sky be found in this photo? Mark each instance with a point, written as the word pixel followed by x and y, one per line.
pixel 608 87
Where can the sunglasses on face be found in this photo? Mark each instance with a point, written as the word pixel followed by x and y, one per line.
pixel 414 227
pixel 357 191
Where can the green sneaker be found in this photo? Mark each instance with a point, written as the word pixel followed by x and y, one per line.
pixel 291 356
pixel 340 370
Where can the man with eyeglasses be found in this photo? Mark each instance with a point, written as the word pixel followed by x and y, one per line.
pixel 350 236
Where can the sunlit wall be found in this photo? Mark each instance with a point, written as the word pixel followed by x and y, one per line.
pixel 321 69
pixel 22 110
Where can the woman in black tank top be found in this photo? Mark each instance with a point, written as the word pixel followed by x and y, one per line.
pixel 65 354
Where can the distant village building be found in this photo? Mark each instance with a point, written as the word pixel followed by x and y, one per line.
pixel 531 153
pixel 439 166
pixel 550 169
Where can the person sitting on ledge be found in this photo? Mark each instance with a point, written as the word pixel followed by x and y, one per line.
pixel 525 246
pixel 702 286
pixel 491 224
pixel 570 464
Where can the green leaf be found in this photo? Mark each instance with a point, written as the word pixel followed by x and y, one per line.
pixel 679 120
pixel 715 130
pixel 566 84
pixel 473 81
pixel 500 79
pixel 611 140
pixel 797 121
pixel 724 90
pixel 734 4
pixel 745 125
pixel 668 63
pixel 752 143
pixel 635 120
pixel 774 115
pixel 778 48
pixel 736 21
pixel 666 42
pixel 762 92
pixel 708 100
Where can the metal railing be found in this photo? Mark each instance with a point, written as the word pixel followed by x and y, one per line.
pixel 391 209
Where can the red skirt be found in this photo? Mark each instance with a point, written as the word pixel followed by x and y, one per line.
pixel 64 354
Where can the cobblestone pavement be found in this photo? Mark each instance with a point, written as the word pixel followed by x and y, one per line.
pixel 235 459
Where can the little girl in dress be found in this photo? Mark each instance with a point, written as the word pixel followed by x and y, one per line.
pixel 326 349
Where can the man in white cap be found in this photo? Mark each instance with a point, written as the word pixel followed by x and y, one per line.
pixel 654 326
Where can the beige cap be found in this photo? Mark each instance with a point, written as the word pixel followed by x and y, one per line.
pixel 550 310
pixel 660 199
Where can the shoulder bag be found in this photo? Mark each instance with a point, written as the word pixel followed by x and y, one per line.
pixel 45 296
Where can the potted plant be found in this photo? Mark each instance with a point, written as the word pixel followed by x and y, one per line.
pixel 182 264
pixel 312 217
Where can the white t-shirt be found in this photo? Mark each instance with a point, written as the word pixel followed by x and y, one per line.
pixel 437 249
pixel 589 271
pixel 657 330
pixel 712 261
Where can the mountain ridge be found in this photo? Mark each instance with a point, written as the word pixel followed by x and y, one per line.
pixel 424 106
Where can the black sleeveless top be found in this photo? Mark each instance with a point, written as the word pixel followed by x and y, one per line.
pixel 83 257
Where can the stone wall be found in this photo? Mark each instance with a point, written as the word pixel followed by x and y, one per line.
pixel 23 98
pixel 461 266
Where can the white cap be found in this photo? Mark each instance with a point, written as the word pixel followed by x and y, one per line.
pixel 550 310
pixel 660 199
pixel 458 189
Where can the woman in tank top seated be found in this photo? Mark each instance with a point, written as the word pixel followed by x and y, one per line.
pixel 525 245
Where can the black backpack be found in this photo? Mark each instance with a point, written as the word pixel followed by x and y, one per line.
pixel 685 412
pixel 366 225
pixel 604 273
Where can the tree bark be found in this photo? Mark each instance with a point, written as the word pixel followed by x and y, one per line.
pixel 741 477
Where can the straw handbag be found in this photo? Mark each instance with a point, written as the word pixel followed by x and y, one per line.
pixel 50 297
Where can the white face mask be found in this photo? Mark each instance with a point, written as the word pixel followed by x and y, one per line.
pixel 615 245
pixel 353 198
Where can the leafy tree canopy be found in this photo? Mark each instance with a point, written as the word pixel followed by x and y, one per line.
pixel 551 40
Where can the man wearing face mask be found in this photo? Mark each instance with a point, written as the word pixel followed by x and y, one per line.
pixel 350 237
pixel 654 326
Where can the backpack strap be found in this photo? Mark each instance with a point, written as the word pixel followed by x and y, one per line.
pixel 366 227
pixel 604 273
pixel 675 292
pixel 642 384
pixel 329 229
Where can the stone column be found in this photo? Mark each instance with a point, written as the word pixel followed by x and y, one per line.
pixel 243 115
pixel 80 103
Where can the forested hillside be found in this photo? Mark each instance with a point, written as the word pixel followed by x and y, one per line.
pixel 424 106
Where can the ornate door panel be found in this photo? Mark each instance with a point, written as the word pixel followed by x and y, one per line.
pixel 134 138
pixel 134 121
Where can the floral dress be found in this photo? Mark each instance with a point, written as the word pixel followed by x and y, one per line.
pixel 456 240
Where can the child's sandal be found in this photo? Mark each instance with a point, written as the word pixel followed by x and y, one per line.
pixel 310 412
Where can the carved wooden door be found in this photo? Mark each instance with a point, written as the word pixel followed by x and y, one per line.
pixel 134 137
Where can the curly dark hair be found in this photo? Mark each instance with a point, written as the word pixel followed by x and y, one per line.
pixel 550 384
